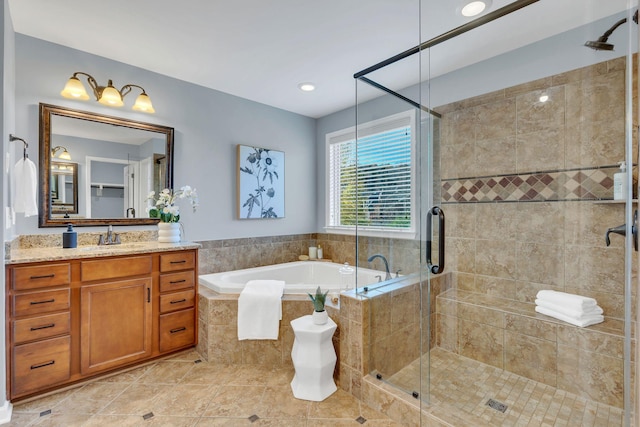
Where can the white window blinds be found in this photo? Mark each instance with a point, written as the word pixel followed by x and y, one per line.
pixel 370 183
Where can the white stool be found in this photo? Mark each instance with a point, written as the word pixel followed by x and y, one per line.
pixel 314 359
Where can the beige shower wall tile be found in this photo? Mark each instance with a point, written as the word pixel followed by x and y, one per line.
pixel 496 258
pixel 540 263
pixel 586 223
pixel 591 375
pixel 590 340
pixel 540 151
pixel 524 88
pixel 536 116
pixel 526 291
pixel 458 127
pixel 530 357
pixel 496 120
pixel 530 326
pixel 496 156
pixel 505 288
pixel 458 160
pixel 481 342
pixel 461 255
pixel 595 269
pixel 405 305
pixel 497 221
pixel 595 120
pixel 579 74
pixel 541 222
pixel 447 332
pixel 460 220
pixel 381 315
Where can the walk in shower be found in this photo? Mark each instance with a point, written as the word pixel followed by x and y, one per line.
pixel 516 144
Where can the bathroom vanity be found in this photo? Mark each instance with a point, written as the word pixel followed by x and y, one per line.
pixel 77 313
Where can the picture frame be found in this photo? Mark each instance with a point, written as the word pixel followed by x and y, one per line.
pixel 260 183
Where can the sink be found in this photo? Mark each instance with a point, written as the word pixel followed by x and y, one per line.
pixel 122 246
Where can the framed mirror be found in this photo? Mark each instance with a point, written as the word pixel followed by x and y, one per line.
pixel 109 166
pixel 64 188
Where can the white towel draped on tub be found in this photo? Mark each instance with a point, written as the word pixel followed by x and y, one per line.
pixel 25 187
pixel 260 310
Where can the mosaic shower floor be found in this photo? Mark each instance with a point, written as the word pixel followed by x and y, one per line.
pixel 462 387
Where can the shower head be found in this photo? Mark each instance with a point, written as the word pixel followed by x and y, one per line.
pixel 601 43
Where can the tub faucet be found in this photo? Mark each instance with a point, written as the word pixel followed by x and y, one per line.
pixel 386 264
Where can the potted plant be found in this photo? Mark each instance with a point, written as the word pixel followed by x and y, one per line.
pixel 320 316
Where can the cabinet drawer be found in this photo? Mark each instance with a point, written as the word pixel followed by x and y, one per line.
pixel 176 301
pixel 36 328
pixel 177 330
pixel 175 281
pixel 177 261
pixel 41 276
pixel 40 302
pixel 115 267
pixel 41 364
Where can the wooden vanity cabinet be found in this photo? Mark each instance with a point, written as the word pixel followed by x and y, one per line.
pixel 68 321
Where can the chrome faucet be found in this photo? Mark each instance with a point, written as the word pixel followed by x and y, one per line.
pixel 386 264
pixel 110 238
pixel 133 212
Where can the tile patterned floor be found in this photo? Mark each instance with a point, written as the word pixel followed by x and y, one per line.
pixel 462 386
pixel 180 392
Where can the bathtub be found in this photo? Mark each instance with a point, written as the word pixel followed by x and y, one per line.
pixel 300 277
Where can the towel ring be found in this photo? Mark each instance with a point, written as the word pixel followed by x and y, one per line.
pixel 15 138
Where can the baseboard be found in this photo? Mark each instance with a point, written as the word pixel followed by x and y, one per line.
pixel 5 412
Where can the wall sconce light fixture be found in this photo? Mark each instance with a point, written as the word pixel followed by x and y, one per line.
pixel 64 155
pixel 107 95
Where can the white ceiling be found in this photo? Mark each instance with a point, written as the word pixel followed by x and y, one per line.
pixel 261 50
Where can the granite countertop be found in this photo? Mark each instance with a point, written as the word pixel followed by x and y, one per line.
pixel 36 254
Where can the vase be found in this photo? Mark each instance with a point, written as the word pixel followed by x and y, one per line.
pixel 168 232
pixel 320 317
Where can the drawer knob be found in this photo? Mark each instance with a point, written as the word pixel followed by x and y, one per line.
pixel 43 302
pixel 46 276
pixel 37 328
pixel 178 301
pixel 176 330
pixel 42 365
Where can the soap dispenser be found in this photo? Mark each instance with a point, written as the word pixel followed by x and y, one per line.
pixel 70 237
pixel 620 183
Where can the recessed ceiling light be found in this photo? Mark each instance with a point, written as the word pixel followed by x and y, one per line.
pixel 471 8
pixel 307 86
pixel 544 98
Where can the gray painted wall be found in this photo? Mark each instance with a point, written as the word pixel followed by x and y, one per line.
pixel 208 124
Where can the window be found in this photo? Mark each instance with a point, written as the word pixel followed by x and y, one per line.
pixel 372 183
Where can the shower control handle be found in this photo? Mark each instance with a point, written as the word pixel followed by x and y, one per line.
pixel 622 230
pixel 435 269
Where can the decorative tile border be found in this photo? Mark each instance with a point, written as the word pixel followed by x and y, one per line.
pixel 580 184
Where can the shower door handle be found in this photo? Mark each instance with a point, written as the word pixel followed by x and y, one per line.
pixel 622 230
pixel 435 269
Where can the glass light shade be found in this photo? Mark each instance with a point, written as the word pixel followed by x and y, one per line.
pixel 65 155
pixel 143 103
pixel 74 89
pixel 111 97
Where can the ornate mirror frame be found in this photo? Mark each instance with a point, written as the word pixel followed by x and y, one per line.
pixel 48 111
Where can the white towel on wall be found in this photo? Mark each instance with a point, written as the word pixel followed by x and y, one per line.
pixel 260 310
pixel 25 181
pixel 571 301
pixel 568 311
pixel 587 321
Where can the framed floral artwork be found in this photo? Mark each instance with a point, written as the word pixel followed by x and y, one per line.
pixel 260 183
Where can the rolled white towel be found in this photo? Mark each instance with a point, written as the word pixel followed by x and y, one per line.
pixel 569 311
pixel 572 301
pixel 588 321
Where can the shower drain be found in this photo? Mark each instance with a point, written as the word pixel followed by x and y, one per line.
pixel 496 405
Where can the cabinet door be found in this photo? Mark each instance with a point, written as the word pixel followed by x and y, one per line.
pixel 116 324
